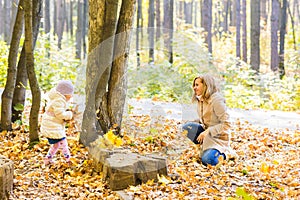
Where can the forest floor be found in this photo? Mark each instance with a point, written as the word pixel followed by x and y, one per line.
pixel 267 167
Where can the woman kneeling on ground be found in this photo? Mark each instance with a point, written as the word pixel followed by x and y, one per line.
pixel 212 127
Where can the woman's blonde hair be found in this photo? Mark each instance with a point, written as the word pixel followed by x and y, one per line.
pixel 210 86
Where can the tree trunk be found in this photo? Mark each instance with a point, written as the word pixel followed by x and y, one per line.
pixel 188 8
pixel 195 10
pixel 35 90
pixel 138 32
pixel 1 18
pixel 71 18
pixel 55 17
pixel 151 31
pixel 60 22
pixel 84 26
pixel 282 37
pixel 238 28
pixel 207 22
pixel 79 30
pixel 274 34
pixel 7 15
pixel 117 88
pixel 158 21
pixel 22 79
pixel 7 95
pixel 168 28
pixel 101 14
pixel 14 10
pixel 100 102
pixel 244 27
pixel 47 16
pixel 255 34
pixel 225 15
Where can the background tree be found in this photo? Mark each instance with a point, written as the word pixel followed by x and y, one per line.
pixel 168 28
pixel 79 29
pixel 22 78
pixel 282 38
pixel 7 95
pixel 244 27
pixel 107 59
pixel 157 19
pixel 60 21
pixel 255 35
pixel 207 22
pixel 139 22
pixel 36 93
pixel 238 28
pixel 274 34
pixel 151 31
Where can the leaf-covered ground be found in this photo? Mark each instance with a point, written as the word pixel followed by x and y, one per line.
pixel 268 166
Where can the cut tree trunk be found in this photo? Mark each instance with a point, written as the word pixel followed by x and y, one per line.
pixel 6 177
pixel 122 168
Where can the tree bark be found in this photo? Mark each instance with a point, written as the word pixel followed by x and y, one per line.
pixel 101 14
pixel 35 90
pixel 1 18
pixel 158 21
pixel 22 79
pixel 84 25
pixel 60 22
pixel 238 28
pixel 55 17
pixel 168 28
pixel 7 16
pixel 138 32
pixel 244 27
pixel 282 38
pixel 151 31
pixel 207 22
pixel 100 99
pixel 274 34
pixel 188 10
pixel 79 30
pixel 71 18
pixel 47 16
pixel 7 95
pixel 118 80
pixel 255 35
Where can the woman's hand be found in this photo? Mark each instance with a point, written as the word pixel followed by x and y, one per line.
pixel 201 137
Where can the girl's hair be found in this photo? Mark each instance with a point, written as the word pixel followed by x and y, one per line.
pixel 209 86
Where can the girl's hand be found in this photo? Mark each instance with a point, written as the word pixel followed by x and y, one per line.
pixel 201 137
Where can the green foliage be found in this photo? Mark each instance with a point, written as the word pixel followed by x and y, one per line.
pixel 167 82
pixel 3 63
pixel 53 64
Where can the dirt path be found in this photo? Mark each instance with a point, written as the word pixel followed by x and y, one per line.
pixel 269 119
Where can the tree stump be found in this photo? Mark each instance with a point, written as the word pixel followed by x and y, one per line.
pixel 6 177
pixel 122 168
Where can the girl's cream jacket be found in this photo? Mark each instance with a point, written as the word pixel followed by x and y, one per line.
pixel 53 120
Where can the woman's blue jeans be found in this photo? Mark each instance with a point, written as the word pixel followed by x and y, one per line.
pixel 209 156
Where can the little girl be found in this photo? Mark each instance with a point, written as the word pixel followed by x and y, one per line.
pixel 54 119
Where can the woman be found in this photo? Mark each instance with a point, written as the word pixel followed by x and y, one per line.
pixel 212 127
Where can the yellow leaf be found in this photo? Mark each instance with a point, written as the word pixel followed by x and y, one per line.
pixel 163 180
pixel 118 142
